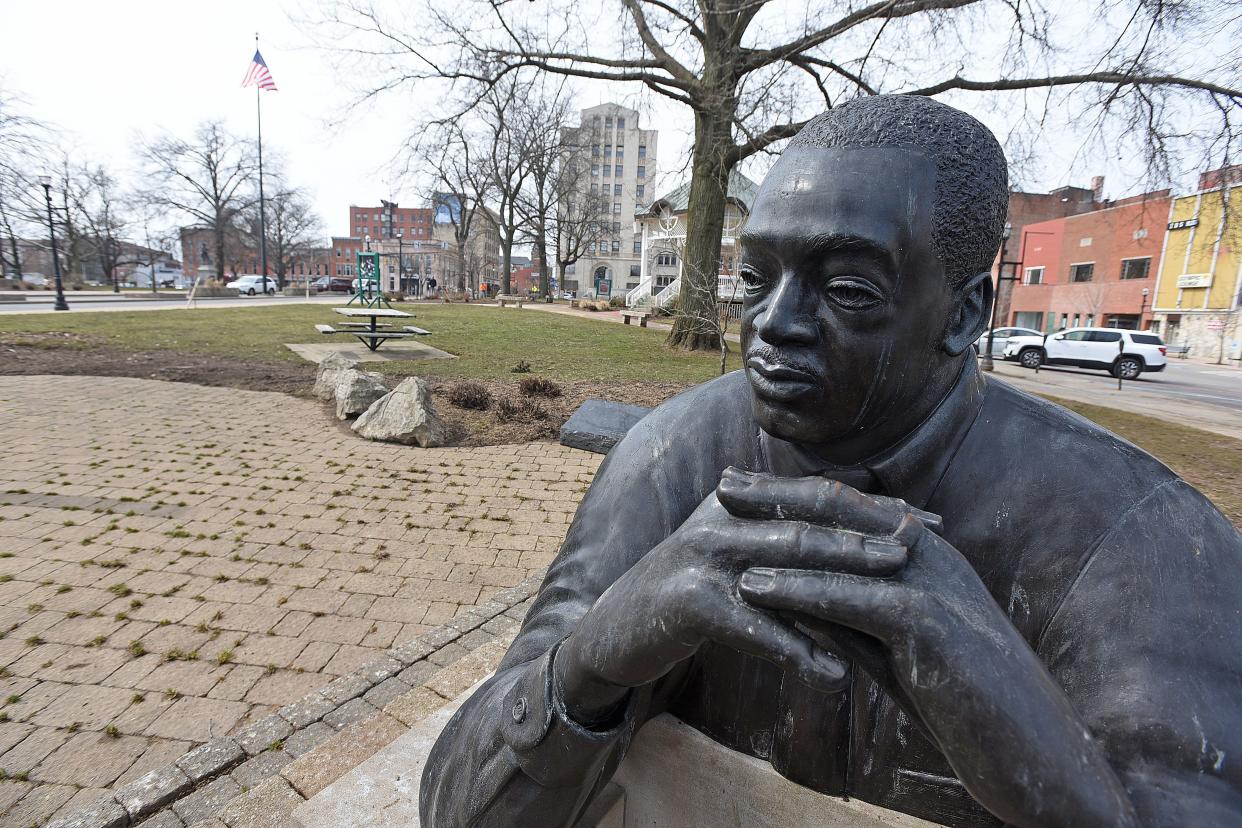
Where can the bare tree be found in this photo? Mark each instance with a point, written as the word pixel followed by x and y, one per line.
pixel 751 71
pixel 93 199
pixel 455 159
pixel 539 116
pixel 206 179
pixel 293 227
pixel 507 161
pixel 22 143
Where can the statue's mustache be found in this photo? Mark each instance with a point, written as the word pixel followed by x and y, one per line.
pixel 776 358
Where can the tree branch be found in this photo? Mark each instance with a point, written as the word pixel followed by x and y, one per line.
pixel 1120 78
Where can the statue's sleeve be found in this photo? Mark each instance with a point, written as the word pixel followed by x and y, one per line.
pixel 511 756
pixel 1148 645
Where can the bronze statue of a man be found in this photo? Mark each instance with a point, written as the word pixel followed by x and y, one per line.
pixel 862 561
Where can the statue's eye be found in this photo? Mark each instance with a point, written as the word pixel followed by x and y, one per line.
pixel 751 278
pixel 853 294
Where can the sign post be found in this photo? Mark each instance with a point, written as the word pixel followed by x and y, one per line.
pixel 368 281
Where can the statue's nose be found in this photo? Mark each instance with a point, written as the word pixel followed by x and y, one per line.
pixel 787 315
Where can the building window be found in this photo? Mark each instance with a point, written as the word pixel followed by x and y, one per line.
pixel 595 150
pixel 1082 273
pixel 641 190
pixel 616 208
pixel 594 191
pixel 620 171
pixel 1034 276
pixel 616 246
pixel 608 122
pixel 638 247
pixel 595 169
pixel 616 227
pixel 1135 268
pixel 608 151
pixel 620 153
pixel 666 259
pixel 642 150
pixel 642 171
pixel 620 123
pixel 607 170
pixel 616 189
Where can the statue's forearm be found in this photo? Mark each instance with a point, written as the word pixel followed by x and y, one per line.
pixel 1016 743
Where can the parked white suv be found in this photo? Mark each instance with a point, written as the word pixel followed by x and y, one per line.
pixel 1125 354
pixel 250 285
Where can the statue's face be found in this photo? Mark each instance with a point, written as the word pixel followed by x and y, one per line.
pixel 846 303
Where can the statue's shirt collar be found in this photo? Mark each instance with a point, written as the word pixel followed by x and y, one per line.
pixel 913 467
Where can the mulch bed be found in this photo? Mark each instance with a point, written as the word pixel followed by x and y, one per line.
pixel 540 419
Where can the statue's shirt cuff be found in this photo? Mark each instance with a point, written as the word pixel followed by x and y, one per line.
pixel 550 747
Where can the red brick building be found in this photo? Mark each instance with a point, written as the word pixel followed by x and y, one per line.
pixel 387 220
pixel 1029 208
pixel 1092 268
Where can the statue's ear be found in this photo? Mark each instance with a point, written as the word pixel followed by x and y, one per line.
pixel 969 317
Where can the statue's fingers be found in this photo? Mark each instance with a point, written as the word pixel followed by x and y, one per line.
pixel 868 605
pixel 748 630
pixel 788 544
pixel 821 501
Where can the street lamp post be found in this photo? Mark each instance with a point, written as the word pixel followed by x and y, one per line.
pixel 1143 307
pixel 61 304
pixel 401 261
pixel 986 364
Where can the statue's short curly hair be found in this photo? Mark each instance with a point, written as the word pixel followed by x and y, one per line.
pixel 972 180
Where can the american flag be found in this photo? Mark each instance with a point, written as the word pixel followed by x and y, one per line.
pixel 258 74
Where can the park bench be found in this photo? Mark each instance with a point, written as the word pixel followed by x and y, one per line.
pixel 1180 351
pixel 416 330
pixel 641 315
pixel 504 299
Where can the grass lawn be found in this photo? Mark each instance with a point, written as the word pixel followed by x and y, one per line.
pixel 488 341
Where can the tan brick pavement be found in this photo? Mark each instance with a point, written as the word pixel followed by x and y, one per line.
pixel 177 561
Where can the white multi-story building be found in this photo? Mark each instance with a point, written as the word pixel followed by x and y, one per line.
pixel 622 174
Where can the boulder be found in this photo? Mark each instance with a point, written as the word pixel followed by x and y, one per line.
pixel 355 391
pixel 329 374
pixel 405 415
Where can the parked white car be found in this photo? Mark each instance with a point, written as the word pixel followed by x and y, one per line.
pixel 1125 354
pixel 1001 337
pixel 250 285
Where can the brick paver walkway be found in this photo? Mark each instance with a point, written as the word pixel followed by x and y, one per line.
pixel 176 561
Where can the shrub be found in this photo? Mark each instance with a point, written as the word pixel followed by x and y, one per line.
pixel 523 367
pixel 539 387
pixel 616 302
pixel 520 410
pixel 472 395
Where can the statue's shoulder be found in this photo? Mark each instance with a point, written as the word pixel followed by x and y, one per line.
pixel 702 426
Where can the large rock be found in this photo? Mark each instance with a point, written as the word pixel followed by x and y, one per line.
pixel 356 391
pixel 598 425
pixel 329 374
pixel 405 415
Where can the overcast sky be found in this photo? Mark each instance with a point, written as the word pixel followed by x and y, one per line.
pixel 108 73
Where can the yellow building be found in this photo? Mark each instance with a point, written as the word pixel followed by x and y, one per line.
pixel 1200 283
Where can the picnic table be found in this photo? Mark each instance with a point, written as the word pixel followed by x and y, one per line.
pixel 373 333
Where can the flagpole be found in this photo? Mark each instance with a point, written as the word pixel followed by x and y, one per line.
pixel 258 104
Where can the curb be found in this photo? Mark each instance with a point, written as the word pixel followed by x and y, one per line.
pixel 257 775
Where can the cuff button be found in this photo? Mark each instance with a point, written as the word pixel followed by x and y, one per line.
pixel 519 710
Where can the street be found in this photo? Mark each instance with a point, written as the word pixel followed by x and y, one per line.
pixel 78 302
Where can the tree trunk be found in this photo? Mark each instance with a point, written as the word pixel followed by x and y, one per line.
pixel 506 264
pixel 218 233
pixel 461 265
pixel 541 250
pixel 696 327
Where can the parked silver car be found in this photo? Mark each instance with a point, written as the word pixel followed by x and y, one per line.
pixel 1001 337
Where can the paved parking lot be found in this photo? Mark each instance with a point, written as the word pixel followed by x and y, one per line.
pixel 176 561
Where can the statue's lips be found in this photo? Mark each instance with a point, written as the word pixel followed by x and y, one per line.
pixel 778 383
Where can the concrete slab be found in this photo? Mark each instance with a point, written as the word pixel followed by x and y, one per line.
pixel 672 777
pixel 598 425
pixel 382 791
pixel 395 351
